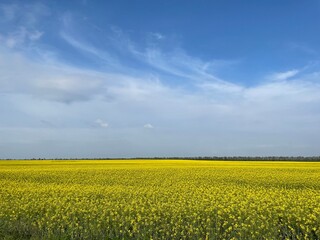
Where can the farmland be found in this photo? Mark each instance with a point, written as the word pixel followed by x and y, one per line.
pixel 159 199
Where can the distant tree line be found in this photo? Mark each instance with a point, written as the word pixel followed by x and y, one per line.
pixel 209 158
pixel 258 158
pixel 246 158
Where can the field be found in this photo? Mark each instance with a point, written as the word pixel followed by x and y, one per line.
pixel 159 199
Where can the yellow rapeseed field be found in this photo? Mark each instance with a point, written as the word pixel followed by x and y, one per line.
pixel 159 199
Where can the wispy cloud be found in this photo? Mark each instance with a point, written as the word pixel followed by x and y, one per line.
pixel 302 47
pixel 156 36
pixel 148 125
pixel 22 24
pixel 69 34
pixel 101 123
pixel 26 14
pixel 280 76
pixel 20 37
pixel 89 49
pixel 175 62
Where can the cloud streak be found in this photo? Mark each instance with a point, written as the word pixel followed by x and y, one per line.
pixel 148 125
pixel 284 75
pixel 101 123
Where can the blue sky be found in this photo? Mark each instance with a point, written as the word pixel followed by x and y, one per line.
pixel 159 78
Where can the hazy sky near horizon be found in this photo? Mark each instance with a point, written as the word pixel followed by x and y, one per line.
pixel 159 78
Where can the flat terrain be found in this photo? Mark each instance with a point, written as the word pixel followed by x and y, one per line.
pixel 159 199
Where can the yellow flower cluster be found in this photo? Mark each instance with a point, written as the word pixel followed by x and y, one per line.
pixel 159 199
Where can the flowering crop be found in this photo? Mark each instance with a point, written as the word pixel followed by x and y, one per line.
pixel 159 199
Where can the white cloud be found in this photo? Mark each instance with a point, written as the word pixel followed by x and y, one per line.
pixel 35 35
pixel 281 76
pixel 20 37
pixel 101 123
pixel 23 24
pixel 148 125
pixel 157 36
pixel 221 87
pixel 48 81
